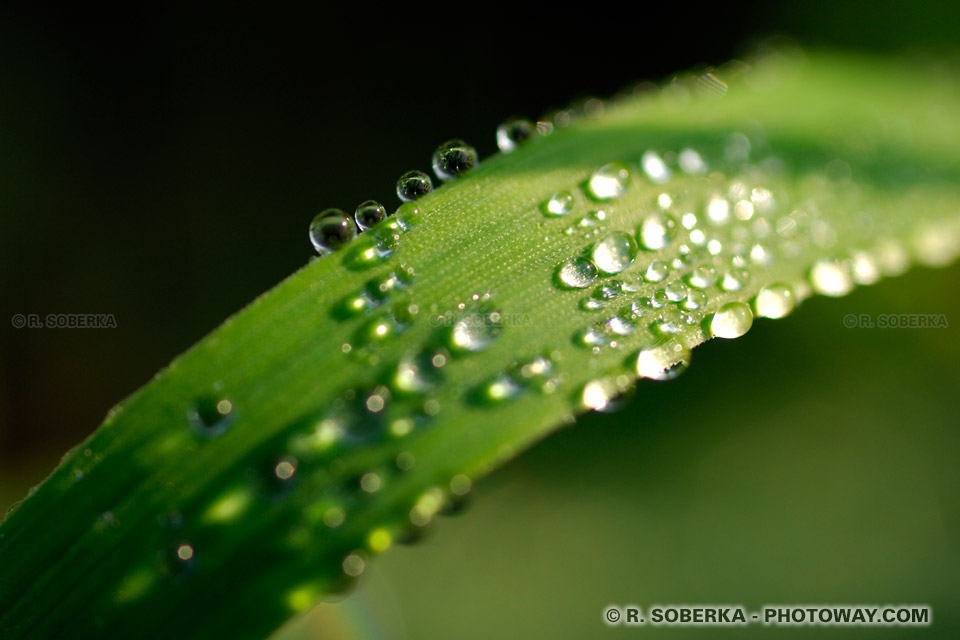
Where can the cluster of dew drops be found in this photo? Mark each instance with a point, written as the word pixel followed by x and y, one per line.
pixel 707 265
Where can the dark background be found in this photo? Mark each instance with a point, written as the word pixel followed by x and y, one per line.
pixel 163 168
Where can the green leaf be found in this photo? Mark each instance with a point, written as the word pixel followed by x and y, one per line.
pixel 342 410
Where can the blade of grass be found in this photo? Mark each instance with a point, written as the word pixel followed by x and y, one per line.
pixel 264 467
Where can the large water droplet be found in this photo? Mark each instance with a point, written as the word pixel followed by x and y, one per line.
pixel 609 181
pixel 615 252
pixel 732 320
pixel 512 133
pixel 577 273
pixel 775 301
pixel 829 278
pixel 331 229
pixel 413 185
pixel 657 231
pixel 369 214
pixel 453 158
pixel 559 204
pixel 663 362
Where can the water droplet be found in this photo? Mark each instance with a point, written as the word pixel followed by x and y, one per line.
pixel 691 162
pixel 620 326
pixel 475 332
pixel 590 338
pixel 718 210
pixel 695 300
pixel 501 388
pixel 735 280
pixel 331 229
pixel 702 277
pixel 676 291
pixel 657 231
pixel 615 252
pixel 419 372
pixel 559 204
pixel 512 133
pixel 865 268
pixel 609 181
pixel 453 158
pixel 369 214
pixel 732 320
pixel 657 271
pixel 663 362
pixel 210 416
pixel 592 304
pixel 597 394
pixel 655 168
pixel 577 273
pixel 413 185
pixel 775 301
pixel 829 278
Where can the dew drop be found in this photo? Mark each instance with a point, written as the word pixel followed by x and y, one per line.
pixel 655 168
pixel 732 320
pixel 475 332
pixel 330 230
pixel 620 326
pixel 597 394
pixel 577 273
pixel 829 278
pixel 735 280
pixel 369 214
pixel 657 231
pixel 702 277
pixel 718 210
pixel 559 204
pixel 865 268
pixel 609 181
pixel 695 300
pixel 614 252
pixel 413 185
pixel 501 388
pixel 512 133
pixel 419 372
pixel 210 416
pixel 691 163
pixel 453 158
pixel 676 291
pixel 656 271
pixel 663 362
pixel 775 301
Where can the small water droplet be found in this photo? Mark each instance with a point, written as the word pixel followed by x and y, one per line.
pixel 419 372
pixel 413 185
pixel 655 168
pixel 663 362
pixel 475 332
pixel 353 565
pixel 657 231
pixel 691 163
pixel 453 158
pixel 210 416
pixel 702 277
pixel 577 273
pixel 331 229
pixel 614 252
pixel 656 271
pixel 285 469
pixel 512 133
pixel 676 291
pixel 830 278
pixel 609 181
pixel 369 214
pixel 732 320
pixel 620 326
pixel 775 301
pixel 718 210
pixel 695 300
pixel 559 204
pixel 735 280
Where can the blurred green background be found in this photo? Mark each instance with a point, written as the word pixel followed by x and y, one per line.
pixel 163 168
